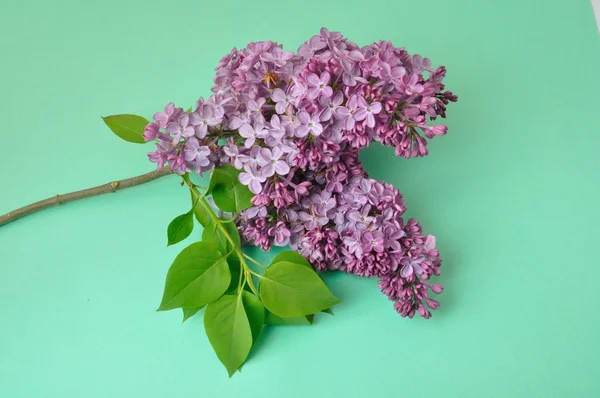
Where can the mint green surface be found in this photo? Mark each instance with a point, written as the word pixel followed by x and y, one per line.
pixel 511 194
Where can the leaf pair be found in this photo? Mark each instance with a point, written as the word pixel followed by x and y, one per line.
pixel 232 321
pixel 292 293
pixel 228 194
pixel 214 274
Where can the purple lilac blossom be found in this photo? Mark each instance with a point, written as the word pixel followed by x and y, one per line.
pixel 293 124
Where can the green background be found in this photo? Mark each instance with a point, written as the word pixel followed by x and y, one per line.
pixel 511 194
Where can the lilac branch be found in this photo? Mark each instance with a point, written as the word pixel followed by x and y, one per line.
pixel 85 193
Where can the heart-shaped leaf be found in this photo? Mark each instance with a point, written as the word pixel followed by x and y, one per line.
pixel 291 290
pixel 198 275
pixel 232 198
pixel 225 175
pixel 297 258
pixel 180 228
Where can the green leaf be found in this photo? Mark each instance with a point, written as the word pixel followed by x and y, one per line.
pixel 295 257
pixel 190 312
pixel 224 197
pixel 228 331
pixel 272 319
pixel 255 310
pixel 128 127
pixel 232 198
pixel 212 233
pixel 180 228
pixel 199 211
pixel 232 231
pixel 290 290
pixel 291 257
pixel 225 175
pixel 198 275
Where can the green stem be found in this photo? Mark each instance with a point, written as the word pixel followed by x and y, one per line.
pixel 250 282
pixel 219 224
pixel 241 280
pixel 254 261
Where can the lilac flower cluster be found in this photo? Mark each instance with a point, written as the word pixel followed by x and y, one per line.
pixel 293 124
